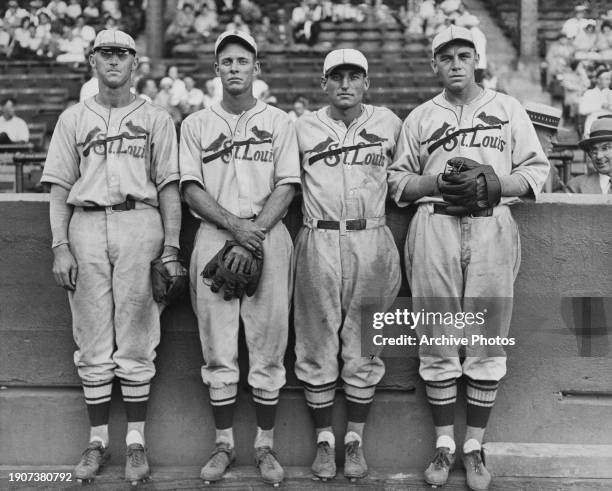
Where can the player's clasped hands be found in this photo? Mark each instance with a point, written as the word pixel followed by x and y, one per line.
pixel 64 267
pixel 239 260
pixel 250 235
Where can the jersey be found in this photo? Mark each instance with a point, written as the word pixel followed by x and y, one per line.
pixel 105 156
pixel 494 129
pixel 344 170
pixel 239 159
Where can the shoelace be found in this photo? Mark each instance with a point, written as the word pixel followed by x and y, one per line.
pixel 136 456
pixel 476 462
pixel 326 449
pixel 90 455
pixel 218 454
pixel 264 457
pixel 352 451
pixel 441 459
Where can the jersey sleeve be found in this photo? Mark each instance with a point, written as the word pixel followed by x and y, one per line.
pixel 286 153
pixel 190 153
pixel 62 162
pixel 164 152
pixel 406 161
pixel 528 158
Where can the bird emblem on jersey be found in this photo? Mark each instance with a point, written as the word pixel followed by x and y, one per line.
pixel 490 120
pixel 261 134
pixel 371 137
pixel 216 144
pixel 90 136
pixel 436 135
pixel 319 147
pixel 134 128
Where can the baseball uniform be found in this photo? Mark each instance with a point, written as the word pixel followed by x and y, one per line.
pixel 462 258
pixel 121 158
pixel 345 254
pixel 239 160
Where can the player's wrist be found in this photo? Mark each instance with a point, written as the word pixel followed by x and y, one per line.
pixel 170 250
pixel 60 243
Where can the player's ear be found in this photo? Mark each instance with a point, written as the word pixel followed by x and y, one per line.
pixel 135 63
pixel 216 68
pixel 257 68
pixel 323 83
pixel 366 82
pixel 434 65
pixel 92 60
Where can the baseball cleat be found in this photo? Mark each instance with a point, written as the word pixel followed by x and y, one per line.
pixel 438 470
pixel 268 466
pixel 92 460
pixel 477 476
pixel 219 461
pixel 355 466
pixel 324 465
pixel 136 465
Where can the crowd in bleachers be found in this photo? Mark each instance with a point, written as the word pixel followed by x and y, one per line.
pixel 60 30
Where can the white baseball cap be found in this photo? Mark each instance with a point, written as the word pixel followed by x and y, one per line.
pixel 109 38
pixel 241 37
pixel 347 56
pixel 451 34
pixel 543 114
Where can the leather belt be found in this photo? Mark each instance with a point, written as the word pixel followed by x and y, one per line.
pixel 128 204
pixel 440 209
pixel 352 225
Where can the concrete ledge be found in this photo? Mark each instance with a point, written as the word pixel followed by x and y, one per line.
pixel 549 460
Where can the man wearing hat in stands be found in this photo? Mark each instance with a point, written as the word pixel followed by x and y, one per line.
pixel 599 147
pixel 574 25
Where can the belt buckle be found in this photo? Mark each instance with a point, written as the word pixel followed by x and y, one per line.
pixel 360 224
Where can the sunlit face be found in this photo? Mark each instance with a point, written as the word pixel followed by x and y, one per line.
pixel 546 136
pixel 189 83
pixel 8 110
pixel 237 67
pixel 601 155
pixel 603 81
pixel 113 66
pixel 345 86
pixel 455 64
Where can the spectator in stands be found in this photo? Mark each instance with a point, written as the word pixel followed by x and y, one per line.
pixel 12 128
pixel 58 8
pixel 261 91
pixel 597 101
pixel 91 12
pixel 604 40
pixel 249 11
pixel 71 48
pixel 426 11
pixel 205 22
pixel 74 9
pixel 575 80
pixel 182 24
pixel 213 93
pixel 598 145
pixel 163 99
pixel 367 14
pixel 585 41
pixel 264 34
pixel 110 22
pixel 238 24
pixel 143 69
pixel 450 7
pixel 43 27
pixel 6 42
pixel 146 88
pixel 283 30
pixel 574 25
pixel 382 14
pixel 300 107
pixel 194 98
pixel 112 7
pixel 225 6
pixel 305 20
pixel 14 14
pixel 343 12
pixel 178 90
pixel 89 88
pixel 558 57
pixel 327 9
pixel 437 23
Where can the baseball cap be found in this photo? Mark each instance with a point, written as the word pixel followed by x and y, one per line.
pixel 241 37
pixel 114 39
pixel 543 115
pixel 346 56
pixel 449 35
pixel 601 131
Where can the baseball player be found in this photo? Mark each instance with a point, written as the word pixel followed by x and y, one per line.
pixel 239 167
pixel 114 207
pixel 344 253
pixel 464 246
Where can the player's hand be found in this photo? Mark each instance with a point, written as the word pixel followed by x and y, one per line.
pixel 239 260
pixel 64 267
pixel 249 235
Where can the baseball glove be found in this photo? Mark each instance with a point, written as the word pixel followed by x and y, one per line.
pixel 236 283
pixel 469 186
pixel 168 288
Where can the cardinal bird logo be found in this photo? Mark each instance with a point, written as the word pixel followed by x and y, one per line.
pixel 90 136
pixel 216 144
pixel 261 134
pixel 134 128
pixel 319 147
pixel 436 135
pixel 491 120
pixel 371 137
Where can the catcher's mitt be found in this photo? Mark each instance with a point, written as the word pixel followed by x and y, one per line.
pixel 167 287
pixel 236 283
pixel 469 186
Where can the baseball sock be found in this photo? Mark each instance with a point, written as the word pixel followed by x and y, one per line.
pixel 264 438
pixel 135 398
pixel 223 402
pixel 99 434
pixel 320 401
pixel 225 435
pixel 480 396
pixel 358 403
pixel 326 435
pixel 135 433
pixel 265 407
pixel 97 399
pixel 442 396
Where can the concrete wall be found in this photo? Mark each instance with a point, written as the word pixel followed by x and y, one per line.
pixel 558 390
